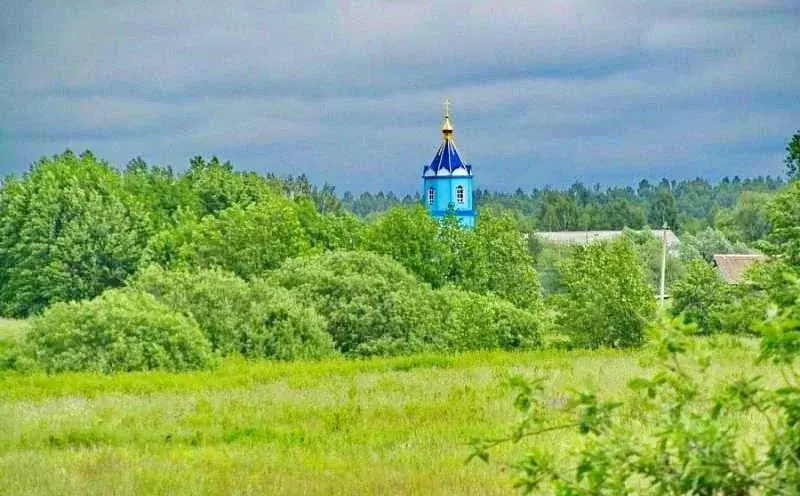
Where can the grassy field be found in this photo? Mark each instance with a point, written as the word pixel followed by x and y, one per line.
pixel 379 426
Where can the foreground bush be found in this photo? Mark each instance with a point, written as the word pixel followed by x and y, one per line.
pixel 256 319
pixel 676 434
pixel 119 331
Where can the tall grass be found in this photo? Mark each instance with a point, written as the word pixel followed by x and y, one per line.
pixel 388 426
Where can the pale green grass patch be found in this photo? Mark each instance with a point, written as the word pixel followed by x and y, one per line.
pixel 377 426
pixel 12 330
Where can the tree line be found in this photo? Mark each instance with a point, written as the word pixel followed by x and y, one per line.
pixel 686 206
pixel 75 231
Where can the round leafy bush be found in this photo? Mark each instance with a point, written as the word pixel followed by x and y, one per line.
pixel 253 319
pixel 118 331
pixel 279 326
pixel 480 322
pixel 372 304
pixel 218 300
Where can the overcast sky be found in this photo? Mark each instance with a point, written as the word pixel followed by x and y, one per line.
pixel 544 92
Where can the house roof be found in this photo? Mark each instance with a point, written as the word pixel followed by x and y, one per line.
pixel 586 237
pixel 733 266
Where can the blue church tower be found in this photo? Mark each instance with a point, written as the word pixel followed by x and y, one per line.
pixel 447 181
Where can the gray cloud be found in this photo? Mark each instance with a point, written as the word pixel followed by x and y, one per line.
pixel 350 92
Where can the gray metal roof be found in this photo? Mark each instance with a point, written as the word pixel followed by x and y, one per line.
pixel 586 237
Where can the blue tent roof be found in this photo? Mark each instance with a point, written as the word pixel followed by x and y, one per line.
pixel 446 158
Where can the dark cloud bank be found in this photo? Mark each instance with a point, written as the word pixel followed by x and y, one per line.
pixel 544 92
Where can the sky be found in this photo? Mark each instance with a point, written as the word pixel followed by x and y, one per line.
pixel 543 92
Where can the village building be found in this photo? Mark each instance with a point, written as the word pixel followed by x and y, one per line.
pixel 732 267
pixel 587 237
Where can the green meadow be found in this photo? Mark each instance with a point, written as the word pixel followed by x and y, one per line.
pixel 375 426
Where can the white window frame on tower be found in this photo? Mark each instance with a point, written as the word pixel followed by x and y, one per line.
pixel 431 195
pixel 460 194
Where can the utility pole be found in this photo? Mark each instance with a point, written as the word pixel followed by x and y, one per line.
pixel 663 263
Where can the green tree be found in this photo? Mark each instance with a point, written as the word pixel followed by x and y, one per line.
pixel 649 250
pixel 701 296
pixel 159 191
pixel 245 240
pixel 620 213
pixel 68 231
pixel 707 243
pixel 410 236
pixel 335 230
pixel 663 208
pixel 499 262
pixel 793 156
pixel 748 221
pixel 783 240
pixel 459 258
pixel 607 301
pixel 216 186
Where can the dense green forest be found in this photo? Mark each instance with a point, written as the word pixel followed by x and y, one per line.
pixel 686 206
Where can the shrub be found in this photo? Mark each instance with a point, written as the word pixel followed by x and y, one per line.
pixel 396 323
pixel 372 304
pixel 216 299
pixel 253 319
pixel 9 354
pixel 484 322
pixel 119 331
pixel 749 301
pixel 281 327
pixel 607 301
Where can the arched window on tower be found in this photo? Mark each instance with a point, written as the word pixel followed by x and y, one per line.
pixel 431 196
pixel 460 194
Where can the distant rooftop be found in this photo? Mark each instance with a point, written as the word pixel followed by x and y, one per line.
pixel 733 266
pixel 586 237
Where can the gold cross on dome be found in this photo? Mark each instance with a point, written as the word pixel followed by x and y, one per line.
pixel 447 107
